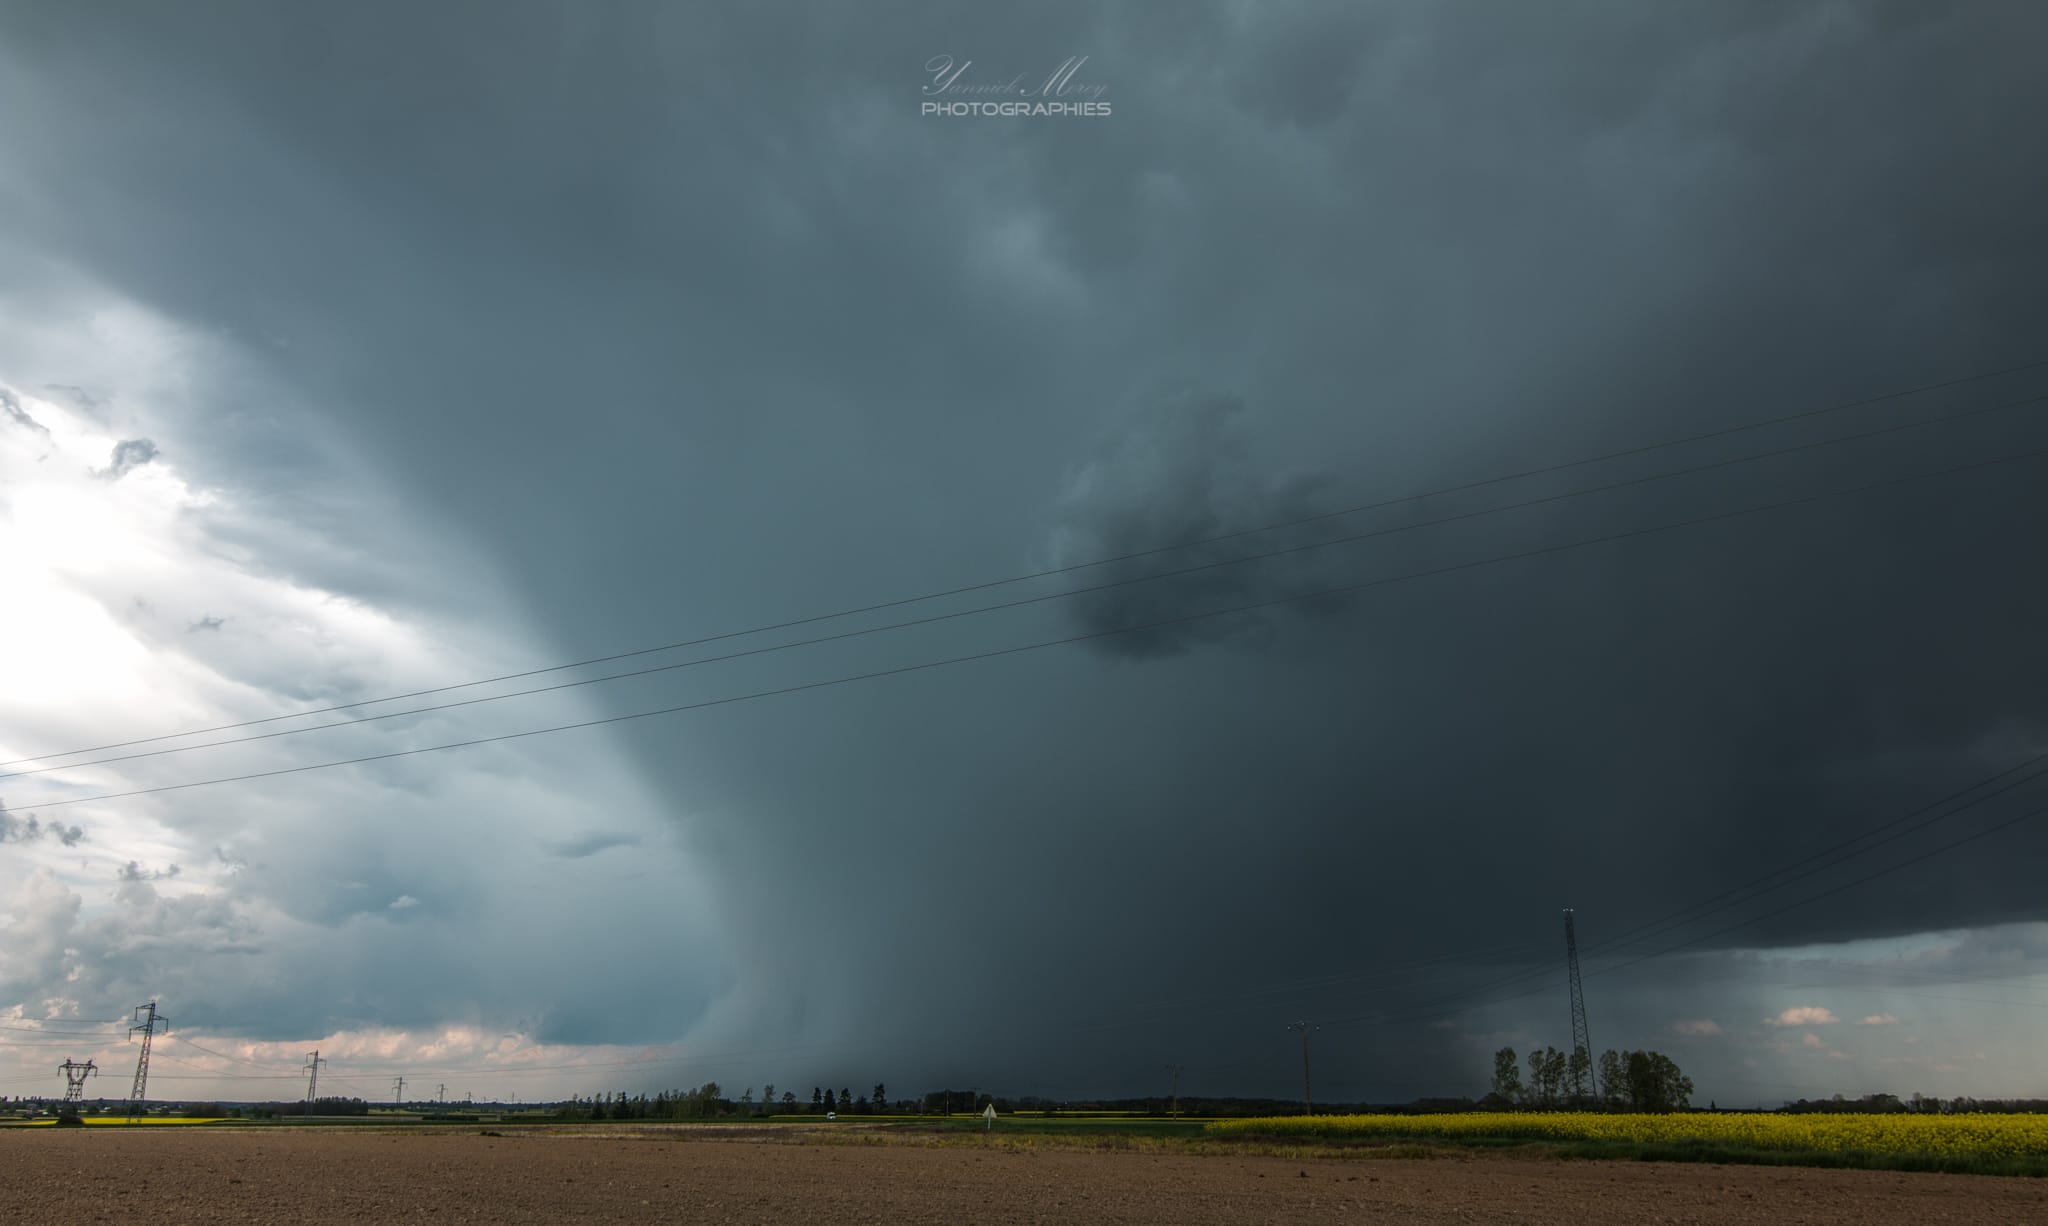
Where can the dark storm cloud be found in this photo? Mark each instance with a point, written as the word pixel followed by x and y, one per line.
pixel 129 454
pixel 207 623
pixel 818 351
pixel 1183 471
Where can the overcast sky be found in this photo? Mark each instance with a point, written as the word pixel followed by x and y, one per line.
pixel 356 351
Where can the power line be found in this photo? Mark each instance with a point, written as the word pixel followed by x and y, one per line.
pixel 1829 893
pixel 1434 1008
pixel 188 1042
pixel 1626 940
pixel 1343 589
pixel 1106 561
pixel 1826 857
pixel 1740 894
pixel 108 1032
pixel 1022 602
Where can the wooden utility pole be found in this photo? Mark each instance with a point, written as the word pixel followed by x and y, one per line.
pixel 1307 1104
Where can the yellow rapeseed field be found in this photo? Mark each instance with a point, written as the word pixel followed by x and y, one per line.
pixel 1952 1136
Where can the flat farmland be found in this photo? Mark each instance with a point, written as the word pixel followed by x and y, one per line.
pixel 321 1175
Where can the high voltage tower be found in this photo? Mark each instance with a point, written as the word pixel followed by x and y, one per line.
pixel 398 1092
pixel 74 1086
pixel 147 1020
pixel 1580 1069
pixel 313 1063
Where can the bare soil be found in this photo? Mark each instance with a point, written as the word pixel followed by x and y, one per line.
pixel 175 1175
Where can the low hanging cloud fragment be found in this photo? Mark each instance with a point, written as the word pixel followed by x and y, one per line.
pixel 588 845
pixel 11 411
pixel 29 830
pixel 1184 471
pixel 129 454
pixel 133 871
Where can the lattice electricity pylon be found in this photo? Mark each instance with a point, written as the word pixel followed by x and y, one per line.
pixel 74 1086
pixel 147 1019
pixel 1580 1070
pixel 313 1063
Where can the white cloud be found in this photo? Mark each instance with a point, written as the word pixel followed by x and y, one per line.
pixel 258 932
pixel 1803 1015
pixel 1697 1028
pixel 1878 1019
pixel 1810 1039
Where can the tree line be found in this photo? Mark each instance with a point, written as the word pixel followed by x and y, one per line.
pixel 1886 1104
pixel 709 1100
pixel 1628 1081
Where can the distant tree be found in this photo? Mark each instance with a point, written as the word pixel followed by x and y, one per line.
pixel 708 1099
pixel 768 1097
pixel 845 1098
pixel 1546 1074
pixel 747 1096
pixel 1579 1075
pixel 1655 1084
pixel 830 1103
pixel 1507 1074
pixel 880 1097
pixel 1613 1080
pixel 817 1097
pixel 789 1100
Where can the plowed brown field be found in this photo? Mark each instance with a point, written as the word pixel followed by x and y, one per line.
pixel 324 1175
